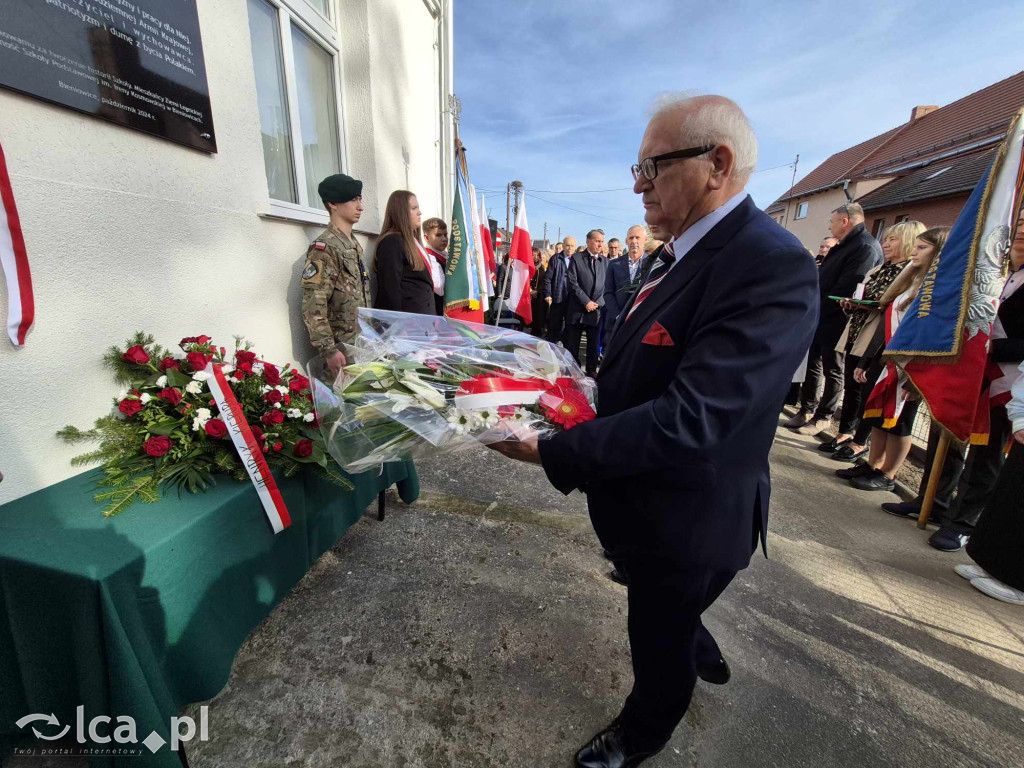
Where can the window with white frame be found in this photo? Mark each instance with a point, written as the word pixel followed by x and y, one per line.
pixel 801 211
pixel 296 63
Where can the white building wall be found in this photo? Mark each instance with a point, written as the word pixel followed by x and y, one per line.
pixel 129 232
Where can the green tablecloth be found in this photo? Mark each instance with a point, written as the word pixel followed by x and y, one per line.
pixel 143 613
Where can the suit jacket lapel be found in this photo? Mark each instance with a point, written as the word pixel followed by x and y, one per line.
pixel 677 278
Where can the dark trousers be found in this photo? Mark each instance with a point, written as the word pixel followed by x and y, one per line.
pixel 853 398
pixel 981 472
pixel 997 542
pixel 573 334
pixel 667 641
pixel 556 321
pixel 540 316
pixel 822 361
pixel 864 426
pixel 952 469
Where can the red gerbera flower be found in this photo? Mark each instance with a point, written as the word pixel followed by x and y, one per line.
pixel 566 406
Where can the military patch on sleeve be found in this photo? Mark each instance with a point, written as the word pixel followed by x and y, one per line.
pixel 311 273
pixel 320 245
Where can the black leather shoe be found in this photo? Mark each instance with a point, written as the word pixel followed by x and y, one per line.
pixel 611 749
pixel 858 470
pixel 847 453
pixel 716 674
pixel 607 554
pixel 876 481
pixel 902 508
pixel 619 577
pixel 829 446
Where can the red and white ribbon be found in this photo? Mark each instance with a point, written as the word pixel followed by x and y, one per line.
pixel 248 449
pixel 21 307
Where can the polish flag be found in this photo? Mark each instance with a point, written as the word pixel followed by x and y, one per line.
pixel 521 262
pixel 21 308
pixel 485 237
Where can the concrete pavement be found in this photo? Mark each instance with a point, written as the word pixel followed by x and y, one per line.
pixel 478 628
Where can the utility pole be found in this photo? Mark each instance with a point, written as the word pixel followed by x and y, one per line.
pixel 508 212
pixel 559 235
pixel 795 164
pixel 545 232
pixel 515 187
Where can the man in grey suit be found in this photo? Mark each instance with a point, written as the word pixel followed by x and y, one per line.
pixel 586 278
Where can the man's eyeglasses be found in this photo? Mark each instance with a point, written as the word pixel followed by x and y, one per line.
pixel 649 165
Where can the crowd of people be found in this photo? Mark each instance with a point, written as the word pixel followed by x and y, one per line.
pixel 866 287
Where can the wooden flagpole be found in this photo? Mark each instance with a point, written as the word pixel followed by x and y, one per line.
pixel 933 480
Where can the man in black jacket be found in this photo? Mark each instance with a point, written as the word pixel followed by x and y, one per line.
pixel 556 289
pixel 586 278
pixel 840 272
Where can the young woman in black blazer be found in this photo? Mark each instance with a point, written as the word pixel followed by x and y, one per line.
pixel 399 262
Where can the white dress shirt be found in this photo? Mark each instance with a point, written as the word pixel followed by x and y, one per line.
pixel 683 244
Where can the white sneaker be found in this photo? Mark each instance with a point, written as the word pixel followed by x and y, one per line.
pixel 998 590
pixel 971 572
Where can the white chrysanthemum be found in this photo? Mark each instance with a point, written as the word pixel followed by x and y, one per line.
pixel 145 397
pixel 309 417
pixel 201 376
pixel 487 419
pixel 194 387
pixel 162 381
pixel 294 413
pixel 460 421
pixel 202 416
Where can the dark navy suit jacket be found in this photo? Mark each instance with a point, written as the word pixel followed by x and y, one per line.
pixel 676 464
pixel 556 281
pixel 618 288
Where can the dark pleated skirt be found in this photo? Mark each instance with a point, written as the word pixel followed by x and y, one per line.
pixel 997 544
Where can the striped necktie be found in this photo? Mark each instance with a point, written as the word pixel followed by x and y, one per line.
pixel 655 276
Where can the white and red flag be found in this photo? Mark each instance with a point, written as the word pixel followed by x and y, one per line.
pixel 485 237
pixel 21 307
pixel 520 261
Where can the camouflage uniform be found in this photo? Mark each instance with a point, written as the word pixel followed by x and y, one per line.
pixel 334 286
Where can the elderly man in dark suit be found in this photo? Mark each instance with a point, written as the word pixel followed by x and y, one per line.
pixel 586 276
pixel 841 270
pixel 624 275
pixel 556 289
pixel 675 466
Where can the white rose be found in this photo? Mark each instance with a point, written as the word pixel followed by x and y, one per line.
pixel 194 388
pixel 145 397
pixel 309 417
pixel 162 381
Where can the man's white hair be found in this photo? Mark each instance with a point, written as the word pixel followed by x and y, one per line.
pixel 713 120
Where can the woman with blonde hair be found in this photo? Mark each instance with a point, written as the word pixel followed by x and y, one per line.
pixel 897 245
pixel 890 438
pixel 404 283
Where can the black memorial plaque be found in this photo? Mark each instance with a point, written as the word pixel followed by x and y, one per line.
pixel 134 62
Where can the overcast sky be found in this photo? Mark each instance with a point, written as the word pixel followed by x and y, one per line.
pixel 555 92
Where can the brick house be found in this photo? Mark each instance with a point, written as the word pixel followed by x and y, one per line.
pixel 924 169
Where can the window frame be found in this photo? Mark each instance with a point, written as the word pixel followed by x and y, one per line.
pixel 805 206
pixel 313 24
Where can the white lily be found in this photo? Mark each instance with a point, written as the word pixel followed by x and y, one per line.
pixel 542 364
pixel 422 390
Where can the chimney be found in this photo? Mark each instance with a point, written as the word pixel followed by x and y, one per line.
pixel 918 112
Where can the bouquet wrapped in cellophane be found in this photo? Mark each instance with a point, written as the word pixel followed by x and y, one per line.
pixel 418 385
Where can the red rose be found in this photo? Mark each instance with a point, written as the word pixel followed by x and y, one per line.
pixel 278 446
pixel 187 340
pixel 169 362
pixel 239 375
pixel 245 356
pixel 170 394
pixel 197 360
pixel 203 339
pixel 287 400
pixel 157 446
pixel 216 428
pixel 245 368
pixel 298 383
pixel 271 374
pixel 303 447
pixel 129 407
pixel 136 355
pixel 273 396
pixel 257 433
pixel 272 417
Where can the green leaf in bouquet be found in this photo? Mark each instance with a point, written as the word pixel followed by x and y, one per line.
pixel 145 489
pixel 164 427
pixel 72 434
pixel 176 378
pixel 331 471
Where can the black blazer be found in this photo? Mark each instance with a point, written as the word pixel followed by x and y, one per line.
pixel 556 286
pixel 400 287
pixel 618 288
pixel 675 467
pixel 844 267
pixel 586 278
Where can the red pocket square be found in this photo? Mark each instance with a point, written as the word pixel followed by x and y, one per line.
pixel 658 336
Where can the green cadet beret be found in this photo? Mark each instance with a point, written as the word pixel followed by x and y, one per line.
pixel 339 188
